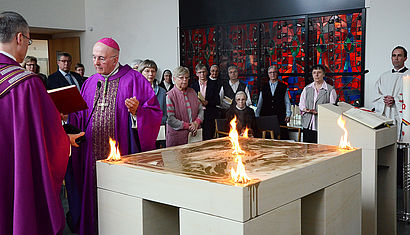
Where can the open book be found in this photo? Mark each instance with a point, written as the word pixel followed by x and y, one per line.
pixel 67 99
pixel 368 118
pixel 227 100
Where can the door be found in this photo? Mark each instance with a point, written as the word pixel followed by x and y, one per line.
pixel 70 45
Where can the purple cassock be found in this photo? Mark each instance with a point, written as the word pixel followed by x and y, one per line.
pixel 109 119
pixel 33 155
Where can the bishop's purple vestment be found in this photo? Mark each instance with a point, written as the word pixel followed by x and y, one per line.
pixel 33 155
pixel 110 119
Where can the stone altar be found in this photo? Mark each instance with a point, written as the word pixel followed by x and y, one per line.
pixel 187 190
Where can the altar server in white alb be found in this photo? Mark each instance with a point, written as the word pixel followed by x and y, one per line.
pixel 389 88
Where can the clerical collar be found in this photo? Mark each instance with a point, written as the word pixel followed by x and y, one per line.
pixel 402 70
pixel 8 55
pixel 113 72
pixel 240 108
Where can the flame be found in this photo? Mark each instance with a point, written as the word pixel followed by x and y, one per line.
pixel 114 152
pixel 233 135
pixel 245 133
pixel 344 143
pixel 238 176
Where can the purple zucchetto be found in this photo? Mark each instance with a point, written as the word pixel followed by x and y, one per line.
pixel 110 42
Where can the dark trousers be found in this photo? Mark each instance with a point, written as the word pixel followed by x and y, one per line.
pixel 309 136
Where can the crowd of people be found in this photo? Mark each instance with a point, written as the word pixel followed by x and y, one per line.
pixel 128 104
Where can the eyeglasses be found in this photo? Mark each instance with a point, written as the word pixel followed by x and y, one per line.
pixel 29 39
pixel 183 78
pixel 273 72
pixel 102 58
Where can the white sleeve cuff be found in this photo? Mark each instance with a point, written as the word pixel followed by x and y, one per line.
pixel 133 121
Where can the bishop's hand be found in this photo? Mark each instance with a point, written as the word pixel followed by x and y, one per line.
pixel 132 105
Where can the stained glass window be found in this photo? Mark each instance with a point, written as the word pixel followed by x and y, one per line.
pixel 198 46
pixel 335 41
pixel 294 45
pixel 283 45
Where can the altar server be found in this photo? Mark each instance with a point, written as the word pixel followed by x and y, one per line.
pixel 389 88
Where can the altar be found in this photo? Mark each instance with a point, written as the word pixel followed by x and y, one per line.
pixel 187 189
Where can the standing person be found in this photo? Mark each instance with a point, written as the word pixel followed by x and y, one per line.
pixel 79 68
pixel 274 100
pixel 317 92
pixel 166 80
pixel 63 77
pixel 34 147
pixel 30 63
pixel 229 89
pixel 207 89
pixel 389 88
pixel 185 112
pixel 127 110
pixel 388 101
pixel 134 64
pixel 148 68
pixel 214 72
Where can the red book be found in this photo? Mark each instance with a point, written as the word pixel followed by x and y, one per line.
pixel 67 99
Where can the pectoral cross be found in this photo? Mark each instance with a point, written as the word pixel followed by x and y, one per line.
pixel 103 104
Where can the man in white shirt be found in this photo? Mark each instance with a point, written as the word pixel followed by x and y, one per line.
pixel 229 89
pixel 389 88
pixel 389 98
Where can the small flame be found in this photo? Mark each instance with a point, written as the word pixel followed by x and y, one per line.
pixel 245 132
pixel 344 143
pixel 238 176
pixel 114 152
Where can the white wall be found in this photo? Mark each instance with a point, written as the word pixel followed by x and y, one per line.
pixel 53 14
pixel 143 29
pixel 387 25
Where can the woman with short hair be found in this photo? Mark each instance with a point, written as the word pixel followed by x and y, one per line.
pixel 185 112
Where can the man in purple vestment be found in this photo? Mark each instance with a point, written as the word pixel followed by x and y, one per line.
pixel 126 109
pixel 34 147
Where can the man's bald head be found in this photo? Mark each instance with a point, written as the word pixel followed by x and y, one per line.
pixel 105 58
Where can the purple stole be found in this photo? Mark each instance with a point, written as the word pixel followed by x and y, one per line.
pixel 11 76
pixel 34 154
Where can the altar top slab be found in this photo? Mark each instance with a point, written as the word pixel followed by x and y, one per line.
pixel 212 160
